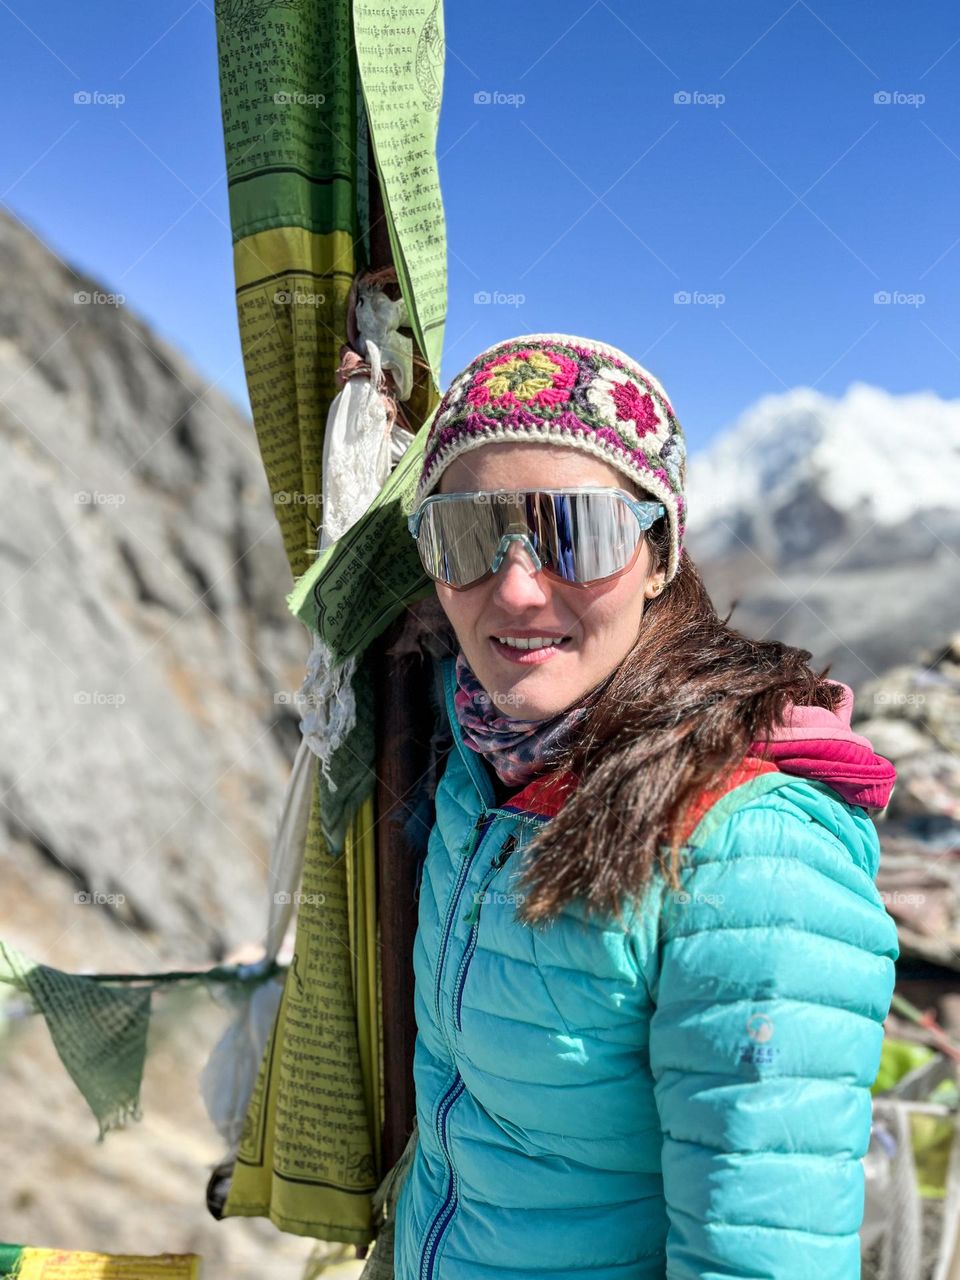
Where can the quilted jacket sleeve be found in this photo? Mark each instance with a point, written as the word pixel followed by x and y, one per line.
pixel 774 973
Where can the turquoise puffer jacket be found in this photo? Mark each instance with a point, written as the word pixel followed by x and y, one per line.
pixel 686 1098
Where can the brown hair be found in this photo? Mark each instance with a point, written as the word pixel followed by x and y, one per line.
pixel 676 718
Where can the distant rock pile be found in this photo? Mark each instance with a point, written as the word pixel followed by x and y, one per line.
pixel 912 716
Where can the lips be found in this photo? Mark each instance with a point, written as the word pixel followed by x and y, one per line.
pixel 529 634
pixel 529 657
pixel 528 642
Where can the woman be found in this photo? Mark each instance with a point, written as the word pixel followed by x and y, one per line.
pixel 652 965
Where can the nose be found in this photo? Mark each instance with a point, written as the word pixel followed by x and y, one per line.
pixel 517 582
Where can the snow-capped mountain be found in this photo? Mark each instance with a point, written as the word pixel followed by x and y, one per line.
pixel 834 524
pixel 799 471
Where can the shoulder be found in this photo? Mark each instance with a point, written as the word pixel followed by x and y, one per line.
pixel 781 816
pixel 779 874
pixel 790 856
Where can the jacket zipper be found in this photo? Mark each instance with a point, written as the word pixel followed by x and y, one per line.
pixel 442 1218
pixel 443 1215
pixel 466 858
pixel 473 919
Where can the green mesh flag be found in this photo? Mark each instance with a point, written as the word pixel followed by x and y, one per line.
pixel 98 1030
pixel 99 1022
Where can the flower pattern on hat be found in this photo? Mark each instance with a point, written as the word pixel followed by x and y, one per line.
pixel 526 377
pixel 556 389
pixel 623 404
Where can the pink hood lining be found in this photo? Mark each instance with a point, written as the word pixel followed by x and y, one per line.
pixel 816 743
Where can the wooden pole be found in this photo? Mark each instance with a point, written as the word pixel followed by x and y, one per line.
pixel 403 732
pixel 403 717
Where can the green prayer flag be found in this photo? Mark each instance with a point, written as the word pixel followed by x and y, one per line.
pixel 400 56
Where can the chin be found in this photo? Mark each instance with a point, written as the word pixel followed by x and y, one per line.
pixel 536 696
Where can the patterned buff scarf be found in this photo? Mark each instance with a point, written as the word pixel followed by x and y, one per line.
pixel 517 750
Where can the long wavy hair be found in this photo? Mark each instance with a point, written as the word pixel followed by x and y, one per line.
pixel 677 717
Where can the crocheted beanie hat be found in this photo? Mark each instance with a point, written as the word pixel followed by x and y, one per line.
pixel 556 389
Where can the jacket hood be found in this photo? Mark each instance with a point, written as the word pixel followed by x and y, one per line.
pixel 816 743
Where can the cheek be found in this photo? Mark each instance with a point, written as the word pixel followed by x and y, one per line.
pixel 616 608
pixel 462 608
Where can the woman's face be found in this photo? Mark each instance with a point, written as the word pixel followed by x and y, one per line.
pixel 600 623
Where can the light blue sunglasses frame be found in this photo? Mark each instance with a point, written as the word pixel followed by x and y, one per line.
pixel 647 513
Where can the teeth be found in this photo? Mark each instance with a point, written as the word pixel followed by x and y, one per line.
pixel 532 642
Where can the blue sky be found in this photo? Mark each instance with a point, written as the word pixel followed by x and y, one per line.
pixel 782 197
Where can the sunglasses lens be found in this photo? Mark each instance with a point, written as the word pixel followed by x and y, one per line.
pixel 594 535
pixel 456 540
pixel 579 537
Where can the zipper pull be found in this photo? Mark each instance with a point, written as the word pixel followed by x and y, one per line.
pixel 504 853
pixel 474 835
pixel 473 915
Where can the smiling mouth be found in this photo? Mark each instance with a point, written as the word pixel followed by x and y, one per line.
pixel 530 650
pixel 527 643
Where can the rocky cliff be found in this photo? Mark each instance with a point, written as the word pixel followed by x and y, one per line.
pixel 147 732
pixel 146 740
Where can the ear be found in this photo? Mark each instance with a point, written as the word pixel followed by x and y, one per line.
pixel 654 585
